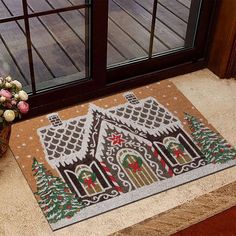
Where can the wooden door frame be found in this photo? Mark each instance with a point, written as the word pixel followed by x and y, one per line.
pixel 222 53
pixel 103 82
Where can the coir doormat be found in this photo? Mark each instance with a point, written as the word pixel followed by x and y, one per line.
pixel 95 157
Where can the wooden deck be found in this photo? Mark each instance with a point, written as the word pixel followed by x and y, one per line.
pixel 58 40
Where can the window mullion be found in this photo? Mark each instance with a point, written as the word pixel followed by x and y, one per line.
pixel 29 45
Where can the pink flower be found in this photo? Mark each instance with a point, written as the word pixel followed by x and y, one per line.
pixel 5 93
pixel 23 107
pixel 13 102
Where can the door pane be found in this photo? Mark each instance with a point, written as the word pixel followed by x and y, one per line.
pixel 49 49
pixel 10 8
pixel 45 5
pixel 140 29
pixel 176 23
pixel 14 54
pixel 60 48
pixel 127 38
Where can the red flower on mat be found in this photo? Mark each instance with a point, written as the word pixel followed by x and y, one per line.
pixel 135 167
pixel 89 182
pixel 116 139
pixel 178 153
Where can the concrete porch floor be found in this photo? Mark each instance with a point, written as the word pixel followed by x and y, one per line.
pixel 214 98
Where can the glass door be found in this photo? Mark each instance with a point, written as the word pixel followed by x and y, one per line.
pixel 66 51
pixel 142 30
pixel 45 44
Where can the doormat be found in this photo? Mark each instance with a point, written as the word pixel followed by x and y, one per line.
pixel 91 158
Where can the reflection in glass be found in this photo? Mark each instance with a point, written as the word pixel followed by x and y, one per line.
pixel 139 30
pixel 45 5
pixel 13 53
pixel 59 43
pixel 10 8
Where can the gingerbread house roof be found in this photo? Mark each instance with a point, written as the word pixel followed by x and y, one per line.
pixel 63 144
pixel 149 113
pixel 62 141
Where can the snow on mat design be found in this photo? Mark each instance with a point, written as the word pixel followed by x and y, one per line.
pixel 110 153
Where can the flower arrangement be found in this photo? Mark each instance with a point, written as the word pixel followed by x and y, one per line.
pixel 12 101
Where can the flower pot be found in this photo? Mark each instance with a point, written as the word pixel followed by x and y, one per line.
pixel 5 134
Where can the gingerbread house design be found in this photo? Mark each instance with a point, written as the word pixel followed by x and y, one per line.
pixel 113 152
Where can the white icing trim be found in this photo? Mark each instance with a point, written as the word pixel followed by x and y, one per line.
pixel 155 132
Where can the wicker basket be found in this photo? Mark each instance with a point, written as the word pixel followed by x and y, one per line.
pixel 5 134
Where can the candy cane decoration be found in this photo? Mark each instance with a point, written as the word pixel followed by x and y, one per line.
pixel 163 163
pixel 113 180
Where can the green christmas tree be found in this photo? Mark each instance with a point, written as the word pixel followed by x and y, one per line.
pixel 214 147
pixel 56 200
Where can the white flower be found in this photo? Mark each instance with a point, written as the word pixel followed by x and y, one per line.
pixel 16 96
pixel 9 115
pixel 8 79
pixel 8 85
pixel 17 84
pixel 23 95
pixel 2 99
pixel 1 112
